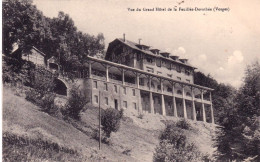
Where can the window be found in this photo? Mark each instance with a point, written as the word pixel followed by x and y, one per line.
pixel 106 88
pixel 138 57
pixel 133 92
pixel 173 67
pixel 179 78
pixel 158 72
pixel 150 69
pixel 95 84
pixel 150 60
pixel 124 90
pixel 106 100
pixel 169 103
pixel 135 107
pixel 169 75
pixel 141 81
pixel 169 89
pixel 188 94
pixel 188 80
pixel 115 88
pixel 178 68
pixel 96 98
pixel 179 92
pixel 187 72
pixel 158 62
pixel 168 66
pixel 152 84
pixel 159 87
pixel 125 104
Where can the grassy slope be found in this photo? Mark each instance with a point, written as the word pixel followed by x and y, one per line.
pixel 136 136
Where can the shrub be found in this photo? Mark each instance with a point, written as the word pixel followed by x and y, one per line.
pixel 16 71
pixel 23 148
pixel 140 116
pixel 33 96
pixel 42 80
pixel 175 147
pixel 110 120
pixel 95 135
pixel 44 101
pixel 75 104
pixel 183 124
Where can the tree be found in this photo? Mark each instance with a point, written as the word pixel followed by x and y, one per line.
pixel 175 147
pixel 238 138
pixel 23 24
pixel 222 96
pixel 26 26
pixel 110 120
pixel 75 104
pixel 248 103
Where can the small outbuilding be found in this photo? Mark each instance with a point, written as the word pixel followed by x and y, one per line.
pixel 32 54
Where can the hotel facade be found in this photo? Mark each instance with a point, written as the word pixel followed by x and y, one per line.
pixel 147 80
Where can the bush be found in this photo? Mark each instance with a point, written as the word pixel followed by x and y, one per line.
pixel 183 124
pixel 33 96
pixel 174 146
pixel 140 116
pixel 44 101
pixel 42 80
pixel 75 104
pixel 16 71
pixel 110 120
pixel 23 148
pixel 95 135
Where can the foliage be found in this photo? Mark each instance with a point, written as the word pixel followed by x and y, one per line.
pixel 238 137
pixel 41 93
pixel 140 116
pixel 104 138
pixel 175 147
pixel 222 96
pixel 16 71
pixel 22 148
pixel 26 26
pixel 75 104
pixel 183 124
pixel 110 120
pixel 44 101
pixel 42 80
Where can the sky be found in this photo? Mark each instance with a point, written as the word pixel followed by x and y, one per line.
pixel 218 43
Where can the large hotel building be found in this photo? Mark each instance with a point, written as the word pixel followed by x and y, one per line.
pixel 136 76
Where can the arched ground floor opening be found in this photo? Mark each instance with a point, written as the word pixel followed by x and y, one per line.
pixel 60 87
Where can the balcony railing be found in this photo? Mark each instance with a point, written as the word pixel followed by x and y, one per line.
pixel 152 89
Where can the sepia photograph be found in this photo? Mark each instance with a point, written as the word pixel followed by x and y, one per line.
pixel 130 80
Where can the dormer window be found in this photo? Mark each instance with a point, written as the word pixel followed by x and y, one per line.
pixel 165 54
pixel 143 47
pixel 174 57
pixel 155 51
pixel 185 61
pixel 187 72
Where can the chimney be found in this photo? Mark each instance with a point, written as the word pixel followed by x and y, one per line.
pixel 139 40
pixel 124 37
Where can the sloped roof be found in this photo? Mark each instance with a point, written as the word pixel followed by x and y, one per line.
pixel 133 45
pixel 36 49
